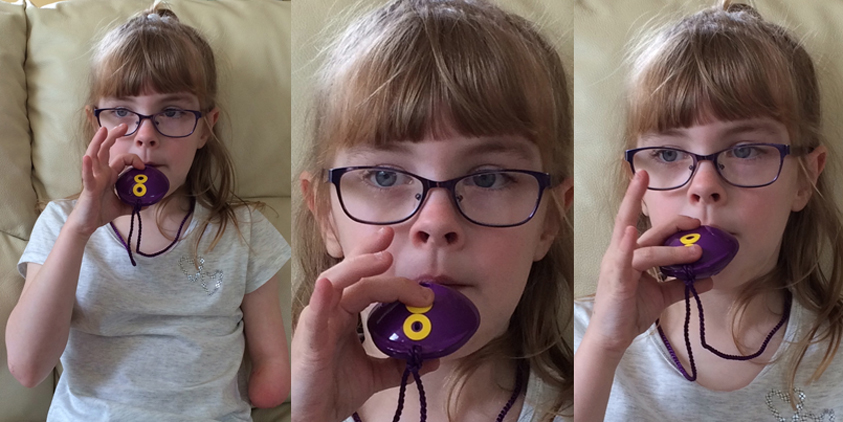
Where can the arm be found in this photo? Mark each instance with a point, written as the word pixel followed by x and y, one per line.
pixel 628 300
pixel 39 325
pixel 269 383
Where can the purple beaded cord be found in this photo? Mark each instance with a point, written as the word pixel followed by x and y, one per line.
pixel 136 210
pixel 414 367
pixel 689 288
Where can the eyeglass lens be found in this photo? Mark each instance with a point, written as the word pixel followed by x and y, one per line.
pixel 751 165
pixel 381 196
pixel 173 122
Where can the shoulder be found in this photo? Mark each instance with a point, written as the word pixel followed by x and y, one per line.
pixel 58 209
pixel 539 395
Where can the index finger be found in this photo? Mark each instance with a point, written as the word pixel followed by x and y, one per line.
pixel 630 208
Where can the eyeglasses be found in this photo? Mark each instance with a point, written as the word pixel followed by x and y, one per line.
pixel 744 165
pixel 172 122
pixel 494 198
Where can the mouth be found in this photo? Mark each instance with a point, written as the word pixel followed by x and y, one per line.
pixel 441 280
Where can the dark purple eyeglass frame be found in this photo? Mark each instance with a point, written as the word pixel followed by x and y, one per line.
pixel 784 150
pixel 335 174
pixel 141 117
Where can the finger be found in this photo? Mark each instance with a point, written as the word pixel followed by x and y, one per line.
pixel 120 162
pixel 96 141
pixel 351 270
pixel 620 262
pixel 315 317
pixel 105 148
pixel 658 234
pixel 657 256
pixel 385 290
pixel 375 243
pixel 87 172
pixel 630 209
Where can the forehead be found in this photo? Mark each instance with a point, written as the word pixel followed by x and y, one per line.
pixel 150 97
pixel 514 150
pixel 720 132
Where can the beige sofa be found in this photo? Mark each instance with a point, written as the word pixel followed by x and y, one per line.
pixel 43 66
pixel 603 31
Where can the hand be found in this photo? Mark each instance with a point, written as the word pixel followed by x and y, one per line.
pixel 628 299
pixel 332 375
pixel 98 204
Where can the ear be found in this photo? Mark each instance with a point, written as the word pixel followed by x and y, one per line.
pixel 325 220
pixel 564 195
pixel 210 118
pixel 814 163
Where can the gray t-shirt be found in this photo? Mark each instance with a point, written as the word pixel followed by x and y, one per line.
pixel 161 341
pixel 648 387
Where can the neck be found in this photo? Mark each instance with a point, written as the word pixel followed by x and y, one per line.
pixel 481 398
pixel 721 307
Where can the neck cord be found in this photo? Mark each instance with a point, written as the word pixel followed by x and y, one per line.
pixel 414 366
pixel 689 288
pixel 136 210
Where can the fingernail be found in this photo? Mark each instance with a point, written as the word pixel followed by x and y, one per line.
pixel 380 255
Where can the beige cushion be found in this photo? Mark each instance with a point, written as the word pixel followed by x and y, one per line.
pixel 603 30
pixel 45 93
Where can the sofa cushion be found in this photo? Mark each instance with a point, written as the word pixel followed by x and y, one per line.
pixel 16 195
pixel 251 43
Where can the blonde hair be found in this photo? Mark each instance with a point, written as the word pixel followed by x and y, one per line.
pixel 416 68
pixel 154 50
pixel 727 63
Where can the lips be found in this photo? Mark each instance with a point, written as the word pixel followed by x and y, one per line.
pixel 442 280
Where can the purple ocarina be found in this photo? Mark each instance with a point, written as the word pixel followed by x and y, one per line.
pixel 433 332
pixel 142 187
pixel 718 249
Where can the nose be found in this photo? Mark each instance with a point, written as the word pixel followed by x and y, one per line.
pixel 146 135
pixel 438 222
pixel 706 185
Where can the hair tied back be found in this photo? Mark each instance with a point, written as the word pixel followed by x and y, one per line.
pixel 730 7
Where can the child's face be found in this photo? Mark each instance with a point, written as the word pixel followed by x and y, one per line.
pixel 172 156
pixel 756 216
pixel 490 265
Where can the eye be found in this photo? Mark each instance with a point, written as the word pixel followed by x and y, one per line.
pixel 384 178
pixel 486 180
pixel 745 151
pixel 173 113
pixel 666 155
pixel 121 112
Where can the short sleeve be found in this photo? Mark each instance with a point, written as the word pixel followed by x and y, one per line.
pixel 268 251
pixel 582 314
pixel 44 234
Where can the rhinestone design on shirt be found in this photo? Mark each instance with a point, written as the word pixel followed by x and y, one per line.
pixel 188 267
pixel 777 400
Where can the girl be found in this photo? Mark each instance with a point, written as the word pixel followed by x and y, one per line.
pixel 162 340
pixel 723 122
pixel 419 91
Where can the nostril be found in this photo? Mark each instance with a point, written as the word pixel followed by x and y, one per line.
pixel 424 236
pixel 451 237
pixel 715 196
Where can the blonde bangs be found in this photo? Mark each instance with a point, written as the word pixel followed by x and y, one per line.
pixel 722 66
pixel 436 71
pixel 147 55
